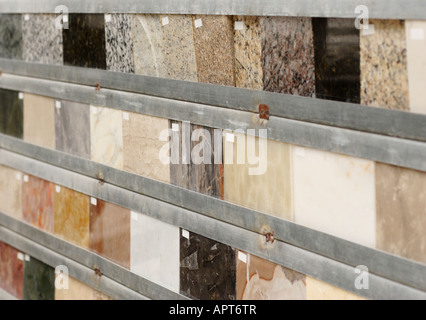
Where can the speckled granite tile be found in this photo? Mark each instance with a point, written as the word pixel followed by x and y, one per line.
pixel 269 192
pixel 142 145
pixel 288 55
pixel 11 36
pixel 11 192
pixel 39 281
pixel 401 211
pixel 318 290
pixel 416 61
pixel 110 232
pixel 119 44
pixel 214 50
pixel 72 128
pixel 204 177
pixel 248 53
pixel 384 75
pixel 72 217
pixel 42 42
pixel 106 136
pixel 39 120
pixel 259 279
pixel 11 271
pixel 84 41
pixel 79 291
pixel 12 113
pixel 337 59
pixel 207 269
pixel 37 203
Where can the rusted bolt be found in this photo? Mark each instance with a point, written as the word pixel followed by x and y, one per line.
pixel 1 73
pixel 270 237
pixel 101 182
pixel 97 271
pixel 98 87
pixel 263 111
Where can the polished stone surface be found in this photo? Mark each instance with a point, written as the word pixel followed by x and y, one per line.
pixel 37 203
pixel 72 217
pixel 42 42
pixel 11 192
pixel 288 55
pixel 337 59
pixel 39 120
pixel 335 194
pixel 384 75
pixel 155 250
pixel 416 61
pixel 259 279
pixel 110 232
pixel 84 41
pixel 141 146
pixel 72 128
pixel 214 50
pixel 106 136
pixel 119 44
pixel 79 291
pixel 318 290
pixel 12 113
pixel 401 211
pixel 207 269
pixel 206 177
pixel 39 281
pixel 268 192
pixel 11 271
pixel 11 36
pixel 248 53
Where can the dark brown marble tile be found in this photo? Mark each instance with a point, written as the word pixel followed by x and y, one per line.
pixel 12 113
pixel 39 281
pixel 11 271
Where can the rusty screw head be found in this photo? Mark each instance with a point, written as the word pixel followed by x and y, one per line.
pixel 98 87
pixel 263 111
pixel 97 271
pixel 270 237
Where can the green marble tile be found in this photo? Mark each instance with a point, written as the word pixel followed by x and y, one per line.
pixel 11 36
pixel 39 281
pixel 12 113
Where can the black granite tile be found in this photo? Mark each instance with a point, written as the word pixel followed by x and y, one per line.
pixel 39 281
pixel 11 36
pixel 84 41
pixel 12 113
pixel 337 59
pixel 207 269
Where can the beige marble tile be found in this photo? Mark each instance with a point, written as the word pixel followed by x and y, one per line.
pixel 79 291
pixel 269 192
pixel 142 145
pixel 39 120
pixel 106 136
pixel 318 290
pixel 401 211
pixel 384 75
pixel 416 48
pixel 335 194
pixel 11 192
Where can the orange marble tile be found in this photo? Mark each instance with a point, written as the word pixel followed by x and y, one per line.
pixel 11 271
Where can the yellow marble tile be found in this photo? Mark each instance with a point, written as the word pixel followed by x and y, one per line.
pixel 318 290
pixel 11 192
pixel 79 291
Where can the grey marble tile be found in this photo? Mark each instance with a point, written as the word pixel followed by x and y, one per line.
pixel 11 36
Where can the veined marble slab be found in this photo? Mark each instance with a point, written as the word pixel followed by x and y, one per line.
pixel 11 192
pixel 11 271
pixel 39 281
pixel 79 291
pixel 318 290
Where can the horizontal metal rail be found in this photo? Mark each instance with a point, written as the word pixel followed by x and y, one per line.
pixel 379 9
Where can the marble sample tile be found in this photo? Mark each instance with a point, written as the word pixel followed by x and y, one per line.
pixel 110 232
pixel 288 55
pixel 84 41
pixel 416 62
pixel 119 44
pixel 72 128
pixel 11 36
pixel 337 59
pixel 384 75
pixel 155 251
pixel 72 217
pixel 79 291
pixel 11 192
pixel 39 120
pixel 11 271
pixel 207 268
pixel 206 177
pixel 335 194
pixel 39 281
pixel 106 136
pixel 12 113
pixel 37 203
pixel 318 290
pixel 214 49
pixel 401 211
pixel 248 53
pixel 259 279
pixel 268 190
pixel 42 42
